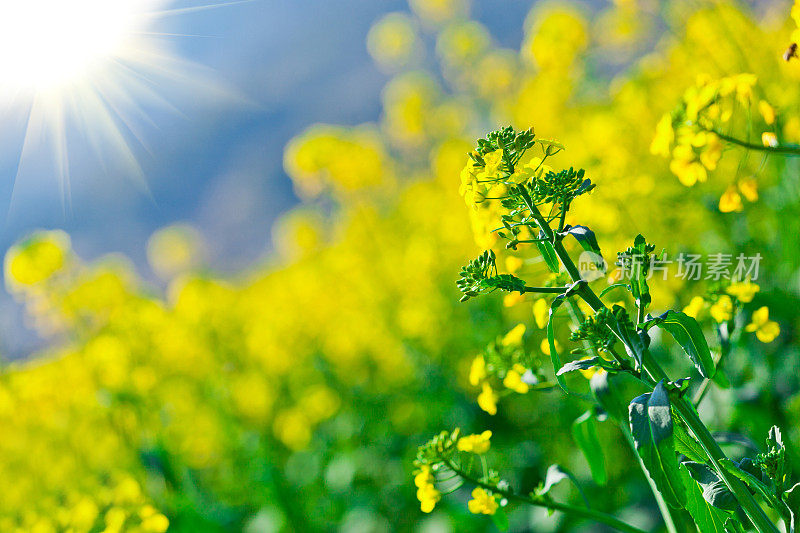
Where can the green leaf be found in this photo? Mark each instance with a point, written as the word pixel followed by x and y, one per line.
pixel 636 342
pixel 773 463
pixel 585 237
pixel 614 392
pixel 685 444
pixel 611 288
pixel 708 518
pixel 548 253
pixel 551 340
pixel 637 261
pixel 500 519
pixel 687 332
pixel 651 426
pixel 555 475
pixel 584 431
pixel 732 525
pixel 747 471
pixel 715 491
pixel 579 364
pixel 792 499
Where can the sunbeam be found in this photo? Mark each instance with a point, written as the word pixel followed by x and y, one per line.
pixel 90 72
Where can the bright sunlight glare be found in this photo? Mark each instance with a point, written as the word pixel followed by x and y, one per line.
pixel 86 74
pixel 51 42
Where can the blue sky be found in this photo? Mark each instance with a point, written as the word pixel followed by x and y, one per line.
pixel 216 161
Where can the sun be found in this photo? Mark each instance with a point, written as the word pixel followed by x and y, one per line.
pixel 45 44
pixel 86 74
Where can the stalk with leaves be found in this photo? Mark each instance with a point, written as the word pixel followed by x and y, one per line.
pixel 697 487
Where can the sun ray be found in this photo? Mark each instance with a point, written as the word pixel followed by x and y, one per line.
pixel 98 94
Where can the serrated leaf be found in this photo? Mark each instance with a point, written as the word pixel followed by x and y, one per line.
pixel 688 334
pixel 651 426
pixel 708 518
pixel 584 432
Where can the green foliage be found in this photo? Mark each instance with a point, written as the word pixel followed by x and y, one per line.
pixel 635 262
pixel 584 431
pixel 651 427
pixel 595 329
pixel 480 276
pixel 560 187
pixel 686 331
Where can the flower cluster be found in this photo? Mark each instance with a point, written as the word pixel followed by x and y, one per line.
pixel 725 300
pixel 505 360
pixel 691 135
pixel 444 453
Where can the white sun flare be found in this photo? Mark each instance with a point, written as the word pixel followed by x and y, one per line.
pixel 47 43
pixel 93 69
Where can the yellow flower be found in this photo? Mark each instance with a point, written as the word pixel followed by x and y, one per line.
pixel 513 379
pixel 767 112
pixel 468 183
pixel 392 40
pixel 749 189
pixel 426 491
pixel 769 139
pixel 475 443
pixel 37 258
pixel 695 306
pixel 766 330
pixel 665 135
pixel 741 85
pixel 744 291
pixel 541 312
pixel 514 336
pixel 512 299
pixel 513 264
pixel 477 372
pixel 155 523
pixel 424 477
pixel 545 347
pixel 722 310
pixel 589 372
pixel 492 162
pixel 712 152
pixel 487 399
pixel 791 130
pixel 730 200
pixel 482 502
pixel 686 167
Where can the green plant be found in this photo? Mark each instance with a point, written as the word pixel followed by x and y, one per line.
pixel 696 486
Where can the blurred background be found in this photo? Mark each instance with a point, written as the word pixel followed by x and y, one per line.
pixel 246 77
pixel 232 246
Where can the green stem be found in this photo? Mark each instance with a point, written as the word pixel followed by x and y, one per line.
pixel 751 507
pixel 581 512
pixel 546 290
pixel 783 149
